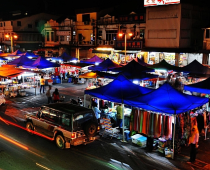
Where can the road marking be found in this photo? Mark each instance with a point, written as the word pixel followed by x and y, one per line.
pixel 44 167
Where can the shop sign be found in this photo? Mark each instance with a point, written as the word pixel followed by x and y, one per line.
pixel 160 2
pixel 63 33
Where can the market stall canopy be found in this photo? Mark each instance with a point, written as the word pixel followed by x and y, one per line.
pixel 11 71
pixel 3 59
pixel 98 74
pixel 132 68
pixel 16 53
pixel 77 65
pixel 163 65
pixel 20 61
pixel 197 69
pixel 141 62
pixel 32 55
pixel 200 87
pixel 64 57
pixel 93 60
pixel 106 65
pixel 166 99
pixel 119 90
pixel 41 63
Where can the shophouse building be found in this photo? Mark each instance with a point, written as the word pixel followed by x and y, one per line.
pixel 27 29
pixel 174 32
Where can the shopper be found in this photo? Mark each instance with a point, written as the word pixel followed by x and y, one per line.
pixel 193 141
pixel 42 84
pixel 96 111
pixel 119 116
pixel 56 96
pixel 49 96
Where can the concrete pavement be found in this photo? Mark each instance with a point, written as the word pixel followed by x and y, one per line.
pixel 16 108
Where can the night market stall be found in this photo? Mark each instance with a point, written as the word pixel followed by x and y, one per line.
pixel 94 60
pixel 64 58
pixel 160 103
pixel 120 90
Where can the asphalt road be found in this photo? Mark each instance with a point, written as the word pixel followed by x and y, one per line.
pixel 19 150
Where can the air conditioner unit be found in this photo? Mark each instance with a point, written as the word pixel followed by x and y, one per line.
pixel 90 42
pixel 86 22
pixel 106 42
pixel 112 42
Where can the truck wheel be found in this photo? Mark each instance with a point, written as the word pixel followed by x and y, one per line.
pixel 60 142
pixel 29 127
pixel 91 129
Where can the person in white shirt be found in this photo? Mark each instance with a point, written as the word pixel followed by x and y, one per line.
pixel 193 141
pixel 96 111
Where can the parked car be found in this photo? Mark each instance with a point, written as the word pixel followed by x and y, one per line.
pixel 66 123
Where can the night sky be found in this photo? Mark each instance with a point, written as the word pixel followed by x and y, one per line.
pixel 61 6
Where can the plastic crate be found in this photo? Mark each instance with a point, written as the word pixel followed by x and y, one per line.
pixel 139 140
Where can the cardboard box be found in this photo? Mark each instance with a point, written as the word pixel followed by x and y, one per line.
pixel 139 140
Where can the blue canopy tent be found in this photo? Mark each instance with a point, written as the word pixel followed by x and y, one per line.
pixel 133 67
pixel 3 59
pixel 64 57
pixel 196 69
pixel 120 90
pixel 166 99
pixel 16 53
pixel 200 87
pixel 30 55
pixel 95 59
pixel 41 63
pixel 22 60
pixel 106 65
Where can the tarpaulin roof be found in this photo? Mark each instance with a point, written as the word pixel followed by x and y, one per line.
pixel 133 67
pixel 41 63
pixel 98 74
pixel 141 62
pixel 28 54
pixel 104 66
pixel 200 87
pixel 195 68
pixel 16 53
pixel 93 60
pixel 119 90
pixel 163 65
pixel 166 99
pixel 1 58
pixel 11 71
pixel 65 57
pixel 20 61
pixel 78 65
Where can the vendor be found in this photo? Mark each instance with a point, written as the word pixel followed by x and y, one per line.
pixel 15 81
pixel 119 116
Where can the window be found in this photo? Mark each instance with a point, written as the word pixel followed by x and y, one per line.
pixel 67 38
pixel 19 23
pixel 52 36
pixel 1 24
pixel 141 17
pixel 66 120
pixel 36 24
pixel 11 23
pixel 100 35
pixel 111 35
pixel 207 33
pixel 61 38
pixel 141 34
pixel 48 36
pixel 29 25
pixel 85 17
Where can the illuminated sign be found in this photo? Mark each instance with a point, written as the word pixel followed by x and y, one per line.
pixel 160 2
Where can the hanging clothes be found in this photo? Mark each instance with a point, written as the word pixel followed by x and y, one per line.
pixel 152 125
pixel 141 120
pixel 163 125
pixel 131 127
pixel 136 120
pixel 148 123
pixel 144 125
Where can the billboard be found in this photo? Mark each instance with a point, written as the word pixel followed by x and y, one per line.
pixel 160 2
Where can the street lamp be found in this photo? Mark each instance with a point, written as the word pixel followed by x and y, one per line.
pixel 120 35
pixel 11 36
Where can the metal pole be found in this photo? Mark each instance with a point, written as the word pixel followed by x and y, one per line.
pixel 84 100
pixel 11 42
pixel 123 139
pixel 174 133
pixel 125 48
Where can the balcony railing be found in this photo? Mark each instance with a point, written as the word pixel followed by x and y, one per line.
pixel 82 43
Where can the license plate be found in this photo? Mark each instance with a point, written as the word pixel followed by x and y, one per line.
pixel 78 142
